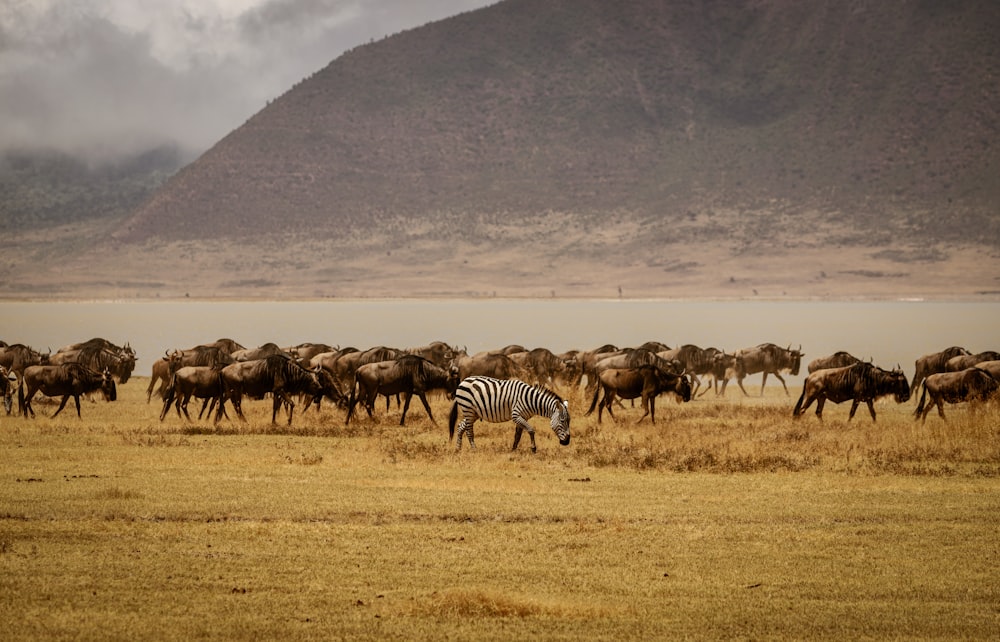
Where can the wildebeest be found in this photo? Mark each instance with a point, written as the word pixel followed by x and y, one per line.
pixel 346 365
pixel 587 359
pixel 260 352
pixel 90 350
pixel 990 367
pixel 632 358
pixel 696 361
pixel 645 381
pixel 933 363
pixel 68 380
pixel 974 385
pixel 202 355
pixel 16 357
pixel 541 364
pixel 487 364
pixel 8 380
pixel 201 382
pixel 839 359
pixel 279 375
pixel 769 359
pixel 437 352
pixel 860 382
pixel 96 356
pixel 306 351
pixel 408 375
pixel 966 361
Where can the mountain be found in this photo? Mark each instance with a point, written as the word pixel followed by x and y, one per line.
pixel 670 148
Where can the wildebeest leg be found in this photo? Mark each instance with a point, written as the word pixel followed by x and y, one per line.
pixel 63 405
pixel 763 382
pixel 649 408
pixel 608 401
pixel 739 382
pixel 781 379
pixel 854 408
pixel 427 407
pixel 871 409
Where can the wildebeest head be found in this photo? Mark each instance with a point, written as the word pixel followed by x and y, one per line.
pixel 795 358
pixel 898 385
pixel 108 387
pixel 684 388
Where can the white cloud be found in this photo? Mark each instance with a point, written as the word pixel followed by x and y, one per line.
pixel 105 77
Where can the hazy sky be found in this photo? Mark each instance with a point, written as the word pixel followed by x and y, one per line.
pixel 107 77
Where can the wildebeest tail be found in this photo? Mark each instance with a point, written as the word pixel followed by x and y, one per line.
pixel 593 402
pixel 923 397
pixel 798 404
pixel 452 420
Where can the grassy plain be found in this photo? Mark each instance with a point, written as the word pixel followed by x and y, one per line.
pixel 726 520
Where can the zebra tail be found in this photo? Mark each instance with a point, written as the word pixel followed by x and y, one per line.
pixel 452 420
pixel 923 397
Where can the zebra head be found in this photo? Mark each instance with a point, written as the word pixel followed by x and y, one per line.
pixel 560 422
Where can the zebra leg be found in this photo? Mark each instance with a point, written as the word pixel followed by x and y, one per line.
pixel 465 426
pixel 520 426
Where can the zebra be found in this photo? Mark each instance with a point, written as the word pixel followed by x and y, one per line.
pixel 497 400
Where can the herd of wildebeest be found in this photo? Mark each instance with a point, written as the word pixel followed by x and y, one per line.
pixel 224 372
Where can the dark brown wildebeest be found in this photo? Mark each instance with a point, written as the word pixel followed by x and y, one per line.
pixel 347 364
pixel 697 362
pixel 587 359
pixel 974 385
pixel 839 359
pixel 933 363
pixel 306 351
pixel 633 358
pixel 277 374
pixel 541 364
pixel 769 359
pixel 645 381
pixel 8 381
pixel 570 373
pixel 408 375
pixel 654 346
pixel 119 362
pixel 966 361
pixel 68 380
pixel 437 352
pixel 203 355
pixel 992 368
pixel 260 352
pixel 14 359
pixel 861 382
pixel 487 364
pixel 725 366
pixel 201 382
pixel 225 344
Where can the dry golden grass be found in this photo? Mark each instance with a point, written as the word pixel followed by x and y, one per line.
pixel 726 519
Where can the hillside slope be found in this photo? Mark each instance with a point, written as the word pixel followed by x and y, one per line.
pixel 677 147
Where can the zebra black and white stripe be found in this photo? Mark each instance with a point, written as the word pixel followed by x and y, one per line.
pixel 497 400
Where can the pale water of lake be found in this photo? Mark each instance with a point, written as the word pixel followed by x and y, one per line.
pixel 889 332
